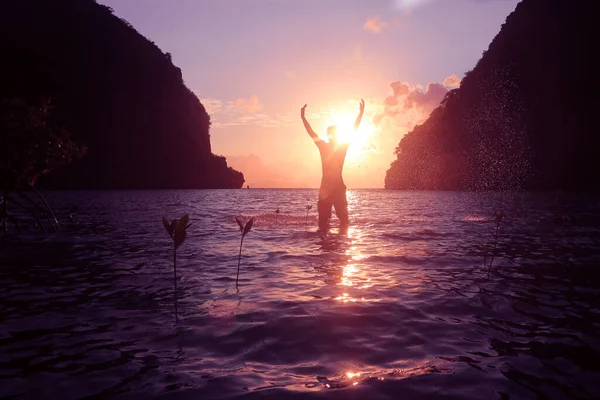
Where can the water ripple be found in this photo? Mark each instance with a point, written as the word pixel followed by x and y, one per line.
pixel 402 304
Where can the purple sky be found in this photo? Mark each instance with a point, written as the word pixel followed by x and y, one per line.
pixel 254 63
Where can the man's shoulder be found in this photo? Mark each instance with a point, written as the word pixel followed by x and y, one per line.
pixel 321 144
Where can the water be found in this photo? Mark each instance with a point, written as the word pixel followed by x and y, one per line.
pixel 401 307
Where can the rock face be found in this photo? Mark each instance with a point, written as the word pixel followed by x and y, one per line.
pixel 116 91
pixel 523 118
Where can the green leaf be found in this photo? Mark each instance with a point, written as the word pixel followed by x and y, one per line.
pixel 168 227
pixel 240 224
pixel 180 230
pixel 173 226
pixel 248 226
pixel 183 220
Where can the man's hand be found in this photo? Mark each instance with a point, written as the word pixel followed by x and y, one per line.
pixel 360 114
pixel 310 131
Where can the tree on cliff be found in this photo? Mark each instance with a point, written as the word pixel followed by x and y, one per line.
pixel 31 146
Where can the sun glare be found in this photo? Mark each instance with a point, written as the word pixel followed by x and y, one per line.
pixel 361 139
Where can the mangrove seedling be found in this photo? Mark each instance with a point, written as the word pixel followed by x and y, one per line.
pixel 244 229
pixel 498 217
pixel 308 208
pixel 177 231
pixel 32 146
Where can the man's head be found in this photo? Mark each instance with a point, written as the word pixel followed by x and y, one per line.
pixel 332 134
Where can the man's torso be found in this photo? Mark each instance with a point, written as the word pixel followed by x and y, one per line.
pixel 332 162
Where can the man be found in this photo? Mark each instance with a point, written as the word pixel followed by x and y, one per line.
pixel 333 190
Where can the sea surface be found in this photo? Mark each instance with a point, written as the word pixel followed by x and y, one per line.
pixel 403 306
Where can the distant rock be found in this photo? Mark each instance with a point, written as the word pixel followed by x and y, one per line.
pixel 523 118
pixel 116 91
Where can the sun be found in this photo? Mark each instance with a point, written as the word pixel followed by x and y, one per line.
pixel 361 140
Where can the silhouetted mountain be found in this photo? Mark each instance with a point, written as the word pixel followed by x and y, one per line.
pixel 523 118
pixel 116 91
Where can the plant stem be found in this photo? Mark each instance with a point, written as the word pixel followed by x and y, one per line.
pixel 37 207
pixel 47 207
pixel 31 212
pixel 15 222
pixel 175 278
pixel 485 255
pixel 239 258
pixel 4 212
pixel 494 250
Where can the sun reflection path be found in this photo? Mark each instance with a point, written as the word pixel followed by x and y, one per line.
pixel 355 275
pixel 350 379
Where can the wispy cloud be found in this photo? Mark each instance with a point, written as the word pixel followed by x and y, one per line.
pixel 212 106
pixel 250 105
pixel 408 5
pixel 374 24
pixel 241 112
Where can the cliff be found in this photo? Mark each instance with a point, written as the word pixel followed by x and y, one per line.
pixel 116 91
pixel 522 119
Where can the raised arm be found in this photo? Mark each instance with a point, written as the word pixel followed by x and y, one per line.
pixel 360 114
pixel 310 131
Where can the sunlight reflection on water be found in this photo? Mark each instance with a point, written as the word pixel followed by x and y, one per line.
pixel 402 295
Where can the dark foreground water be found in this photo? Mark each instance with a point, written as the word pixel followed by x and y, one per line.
pixel 400 308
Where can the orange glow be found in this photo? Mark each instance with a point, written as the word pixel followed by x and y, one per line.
pixel 355 275
pixel 352 374
pixel 360 139
pixel 347 275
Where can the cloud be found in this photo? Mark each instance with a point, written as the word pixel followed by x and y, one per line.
pixel 452 81
pixel 212 106
pixel 426 100
pixel 250 105
pixel 259 119
pixel 410 5
pixel 374 24
pixel 407 106
pixel 407 5
pixel 241 112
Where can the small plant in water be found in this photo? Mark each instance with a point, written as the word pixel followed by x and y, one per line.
pixel 244 229
pixel 308 208
pixel 177 230
pixel 498 217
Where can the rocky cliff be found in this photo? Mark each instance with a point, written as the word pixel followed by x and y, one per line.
pixel 523 118
pixel 116 91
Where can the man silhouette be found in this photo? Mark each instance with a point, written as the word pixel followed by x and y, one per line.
pixel 333 190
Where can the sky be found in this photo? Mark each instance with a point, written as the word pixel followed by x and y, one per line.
pixel 255 63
